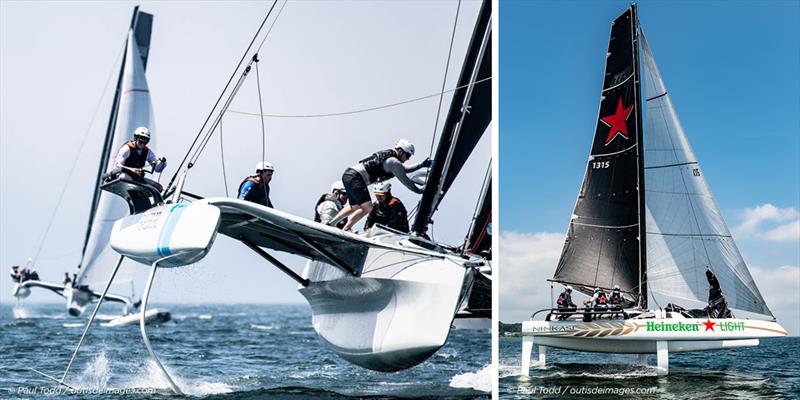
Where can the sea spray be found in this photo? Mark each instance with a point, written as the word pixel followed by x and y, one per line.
pixel 481 380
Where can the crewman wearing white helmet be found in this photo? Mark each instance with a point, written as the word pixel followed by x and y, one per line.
pixel 388 210
pixel 329 204
pixel 380 166
pixel 255 188
pixel 135 154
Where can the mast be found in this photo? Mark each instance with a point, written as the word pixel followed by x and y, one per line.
pixel 640 161
pixel 469 114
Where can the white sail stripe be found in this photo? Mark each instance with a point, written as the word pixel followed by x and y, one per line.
pixel 604 226
pixel 619 84
pixel 614 153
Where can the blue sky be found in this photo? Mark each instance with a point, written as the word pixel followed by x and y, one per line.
pixel 733 72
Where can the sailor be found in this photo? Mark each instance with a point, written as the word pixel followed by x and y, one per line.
pixel 565 303
pixel 615 300
pixel 67 281
pixel 388 210
pixel 14 273
pixel 380 166
pixel 329 204
pixel 255 188
pixel 135 154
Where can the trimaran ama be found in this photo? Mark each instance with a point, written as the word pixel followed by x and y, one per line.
pixel 645 220
pixel 383 300
pixel 131 108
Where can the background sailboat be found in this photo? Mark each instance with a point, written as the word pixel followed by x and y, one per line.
pixel 645 183
pixel 131 108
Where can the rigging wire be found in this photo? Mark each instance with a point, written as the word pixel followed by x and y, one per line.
pixel 261 112
pixel 233 74
pixel 444 81
pixel 222 156
pixel 77 156
pixel 361 110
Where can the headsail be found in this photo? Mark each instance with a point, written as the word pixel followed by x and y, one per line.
pixel 602 247
pixel 469 114
pixel 131 109
pixel 686 234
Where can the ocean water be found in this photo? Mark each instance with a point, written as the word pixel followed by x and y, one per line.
pixel 220 351
pixel 768 371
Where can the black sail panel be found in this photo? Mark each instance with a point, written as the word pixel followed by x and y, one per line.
pixel 602 247
pixel 480 237
pixel 469 122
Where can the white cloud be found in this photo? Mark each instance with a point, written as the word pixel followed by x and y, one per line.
pixel 759 222
pixel 784 233
pixel 781 290
pixel 527 260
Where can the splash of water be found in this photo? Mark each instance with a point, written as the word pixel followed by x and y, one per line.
pixel 481 380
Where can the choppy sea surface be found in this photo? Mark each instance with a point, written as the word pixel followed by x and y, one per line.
pixel 219 351
pixel 768 371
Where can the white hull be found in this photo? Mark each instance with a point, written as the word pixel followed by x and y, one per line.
pixel 645 336
pixel 397 314
pixel 152 317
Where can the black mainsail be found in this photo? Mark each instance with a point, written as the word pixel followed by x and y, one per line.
pixel 602 248
pixel 467 119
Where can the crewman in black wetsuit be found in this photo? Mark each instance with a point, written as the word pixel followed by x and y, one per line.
pixel 388 211
pixel 565 303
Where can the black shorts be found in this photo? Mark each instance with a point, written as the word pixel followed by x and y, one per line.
pixel 357 192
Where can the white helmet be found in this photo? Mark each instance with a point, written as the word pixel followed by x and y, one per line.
pixel 382 187
pixel 405 145
pixel 142 131
pixel 338 185
pixel 264 165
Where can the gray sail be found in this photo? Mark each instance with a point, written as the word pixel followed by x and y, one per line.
pixel 686 234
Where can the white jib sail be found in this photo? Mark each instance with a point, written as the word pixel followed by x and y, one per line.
pixel 135 110
pixel 685 231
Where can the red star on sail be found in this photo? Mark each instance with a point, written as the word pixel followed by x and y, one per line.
pixel 709 325
pixel 617 121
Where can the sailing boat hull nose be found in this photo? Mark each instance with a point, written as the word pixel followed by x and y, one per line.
pixel 386 324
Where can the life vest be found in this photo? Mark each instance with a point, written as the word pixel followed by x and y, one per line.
pixel 258 194
pixel 374 165
pixel 325 197
pixel 135 160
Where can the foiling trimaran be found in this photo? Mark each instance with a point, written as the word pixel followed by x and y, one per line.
pixel 645 221
pixel 383 300
pixel 131 109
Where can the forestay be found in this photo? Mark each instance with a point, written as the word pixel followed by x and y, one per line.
pixel 685 231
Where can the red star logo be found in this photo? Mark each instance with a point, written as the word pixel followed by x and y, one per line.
pixel 709 325
pixel 617 122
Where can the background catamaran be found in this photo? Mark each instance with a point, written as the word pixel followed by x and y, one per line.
pixel 131 108
pixel 645 221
